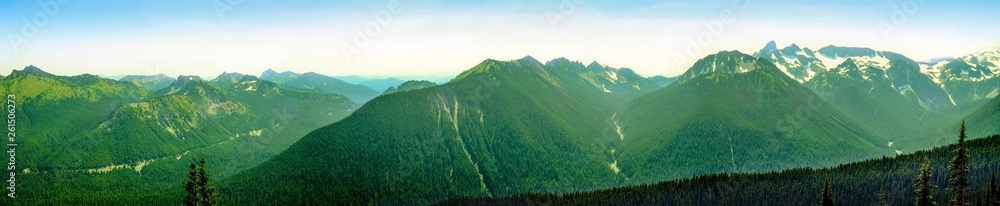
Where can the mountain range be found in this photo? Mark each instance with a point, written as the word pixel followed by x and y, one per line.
pixel 314 81
pixel 733 112
pixel 99 137
pixel 493 131
pixel 479 135
pixel 152 82
pixel 894 96
pixel 498 129
pixel 969 78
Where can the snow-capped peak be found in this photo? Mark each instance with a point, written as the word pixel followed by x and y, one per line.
pixel 978 66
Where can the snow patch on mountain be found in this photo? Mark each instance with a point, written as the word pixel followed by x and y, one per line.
pixel 931 71
pixel 803 53
pixel 830 62
pixel 614 167
pixel 782 67
pixel 877 61
pixel 994 93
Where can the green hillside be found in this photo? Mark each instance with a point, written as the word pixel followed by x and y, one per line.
pixel 138 150
pixel 986 119
pixel 54 109
pixel 191 113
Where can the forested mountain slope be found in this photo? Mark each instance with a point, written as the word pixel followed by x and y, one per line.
pixel 500 128
pixel 133 145
pixel 852 184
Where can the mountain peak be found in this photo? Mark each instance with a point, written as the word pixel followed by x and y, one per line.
pixel 153 82
pixel 726 62
pixel 839 51
pixel 31 69
pixel 233 74
pixel 594 64
pixel 770 46
pixel 793 46
pixel 193 86
pixel 529 60
pixel 232 78
pixel 409 85
pixel 566 64
pixel 268 73
pixel 492 66
pixel 314 75
pixel 791 49
pixel 848 64
pixel 186 79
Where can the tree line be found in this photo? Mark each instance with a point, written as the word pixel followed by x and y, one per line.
pixel 910 179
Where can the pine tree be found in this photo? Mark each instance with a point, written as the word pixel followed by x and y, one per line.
pixel 191 186
pixel 959 169
pixel 924 186
pixel 198 188
pixel 827 194
pixel 984 199
pixel 992 192
pixel 206 191
pixel 881 198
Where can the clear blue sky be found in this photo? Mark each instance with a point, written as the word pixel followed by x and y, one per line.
pixel 439 38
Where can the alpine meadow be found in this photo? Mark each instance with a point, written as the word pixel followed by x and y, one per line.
pixel 570 102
